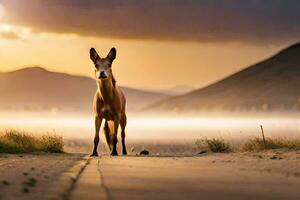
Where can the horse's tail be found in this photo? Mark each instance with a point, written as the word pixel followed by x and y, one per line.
pixel 108 136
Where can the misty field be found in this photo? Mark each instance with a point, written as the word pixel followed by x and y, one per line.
pixel 165 135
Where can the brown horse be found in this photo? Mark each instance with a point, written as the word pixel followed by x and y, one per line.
pixel 109 103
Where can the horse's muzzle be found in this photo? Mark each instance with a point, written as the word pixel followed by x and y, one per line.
pixel 102 75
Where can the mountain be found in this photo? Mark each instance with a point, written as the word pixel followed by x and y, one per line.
pixel 273 84
pixel 38 89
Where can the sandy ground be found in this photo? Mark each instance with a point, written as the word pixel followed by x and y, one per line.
pixel 31 176
pixel 271 175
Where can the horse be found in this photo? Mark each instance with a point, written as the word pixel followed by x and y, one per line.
pixel 108 104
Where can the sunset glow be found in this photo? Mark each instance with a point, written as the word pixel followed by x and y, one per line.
pixel 136 61
pixel 140 59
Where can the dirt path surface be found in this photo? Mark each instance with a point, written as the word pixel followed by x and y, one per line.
pixel 215 176
pixel 33 176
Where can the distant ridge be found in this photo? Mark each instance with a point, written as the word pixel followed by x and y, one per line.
pixel 37 89
pixel 273 84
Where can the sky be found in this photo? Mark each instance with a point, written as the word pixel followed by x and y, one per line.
pixel 160 43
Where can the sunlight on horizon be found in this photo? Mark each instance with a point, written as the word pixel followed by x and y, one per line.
pixel 146 128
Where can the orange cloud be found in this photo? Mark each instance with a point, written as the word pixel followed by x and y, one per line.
pixel 11 32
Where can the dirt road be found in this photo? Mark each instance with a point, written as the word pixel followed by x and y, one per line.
pixel 215 176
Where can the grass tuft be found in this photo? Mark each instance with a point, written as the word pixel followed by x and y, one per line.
pixel 52 143
pixel 257 144
pixel 14 141
pixel 215 145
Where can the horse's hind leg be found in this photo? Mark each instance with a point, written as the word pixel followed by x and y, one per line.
pixel 107 135
pixel 123 123
pixel 98 122
pixel 115 136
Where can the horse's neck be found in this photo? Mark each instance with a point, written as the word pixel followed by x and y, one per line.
pixel 106 90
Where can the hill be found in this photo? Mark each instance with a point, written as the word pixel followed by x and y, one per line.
pixel 273 84
pixel 37 89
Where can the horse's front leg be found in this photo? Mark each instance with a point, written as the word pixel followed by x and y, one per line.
pixel 123 123
pixel 115 135
pixel 98 121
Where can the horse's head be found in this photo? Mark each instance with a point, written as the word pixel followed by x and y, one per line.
pixel 103 65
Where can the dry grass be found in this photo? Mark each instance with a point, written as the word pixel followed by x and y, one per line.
pixel 216 145
pixel 257 144
pixel 219 145
pixel 14 141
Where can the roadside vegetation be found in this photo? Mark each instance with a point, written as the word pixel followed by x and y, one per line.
pixel 219 145
pixel 258 144
pixel 216 145
pixel 15 141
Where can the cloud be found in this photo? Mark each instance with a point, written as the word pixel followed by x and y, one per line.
pixel 256 21
pixel 12 32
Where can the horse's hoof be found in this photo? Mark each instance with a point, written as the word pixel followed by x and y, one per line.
pixel 94 154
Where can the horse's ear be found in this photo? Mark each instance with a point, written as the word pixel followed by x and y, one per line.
pixel 112 54
pixel 94 55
